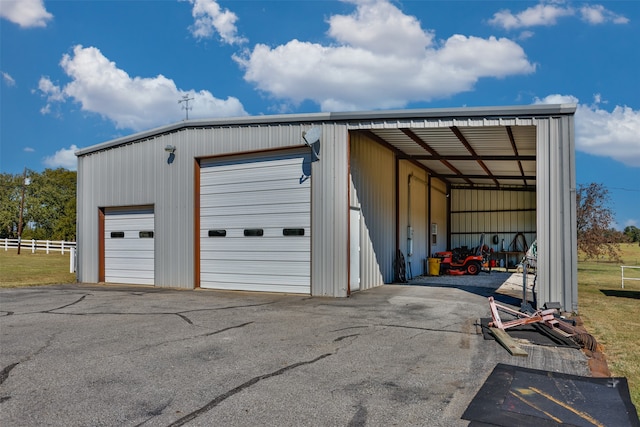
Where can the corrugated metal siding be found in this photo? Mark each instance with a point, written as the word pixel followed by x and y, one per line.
pixel 138 174
pixel 492 212
pixel 418 216
pixel 84 228
pixel 556 199
pixel 330 215
pixel 373 191
pixel 439 214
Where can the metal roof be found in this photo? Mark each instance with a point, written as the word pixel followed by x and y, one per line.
pixel 466 147
pixel 474 156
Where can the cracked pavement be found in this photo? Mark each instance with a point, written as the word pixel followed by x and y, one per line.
pixel 105 355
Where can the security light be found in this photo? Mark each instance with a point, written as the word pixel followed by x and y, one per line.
pixel 171 149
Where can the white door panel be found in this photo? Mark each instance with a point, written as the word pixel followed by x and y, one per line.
pixel 129 247
pixel 255 224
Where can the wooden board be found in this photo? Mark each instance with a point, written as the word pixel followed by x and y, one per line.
pixel 507 342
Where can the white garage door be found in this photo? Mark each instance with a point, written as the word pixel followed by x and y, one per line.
pixel 128 246
pixel 255 228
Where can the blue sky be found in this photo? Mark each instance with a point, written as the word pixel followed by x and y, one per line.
pixel 77 73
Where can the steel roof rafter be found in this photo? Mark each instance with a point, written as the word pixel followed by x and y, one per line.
pixel 470 149
pixel 512 139
pixel 415 138
pixel 400 154
pixel 473 158
pixel 509 177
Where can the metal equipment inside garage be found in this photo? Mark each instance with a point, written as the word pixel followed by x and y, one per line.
pixel 255 203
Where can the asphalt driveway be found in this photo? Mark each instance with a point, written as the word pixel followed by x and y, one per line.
pixel 96 355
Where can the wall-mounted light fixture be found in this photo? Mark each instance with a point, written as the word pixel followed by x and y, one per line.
pixel 171 149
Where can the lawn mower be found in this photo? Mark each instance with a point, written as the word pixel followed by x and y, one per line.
pixel 465 261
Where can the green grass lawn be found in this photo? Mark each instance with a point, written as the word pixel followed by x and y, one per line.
pixel 611 314
pixel 29 269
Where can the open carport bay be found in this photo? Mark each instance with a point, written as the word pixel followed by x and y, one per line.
pixel 110 355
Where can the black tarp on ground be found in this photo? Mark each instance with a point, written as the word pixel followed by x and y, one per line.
pixel 515 396
pixel 536 333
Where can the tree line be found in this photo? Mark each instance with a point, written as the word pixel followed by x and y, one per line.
pixel 49 211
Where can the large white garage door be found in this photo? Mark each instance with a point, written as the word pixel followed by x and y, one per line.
pixel 255 227
pixel 128 246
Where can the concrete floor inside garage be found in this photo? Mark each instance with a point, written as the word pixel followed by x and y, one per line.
pixel 135 355
pixel 504 283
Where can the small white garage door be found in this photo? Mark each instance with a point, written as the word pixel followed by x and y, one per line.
pixel 128 246
pixel 255 227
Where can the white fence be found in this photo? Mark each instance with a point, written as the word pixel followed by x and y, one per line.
pixel 46 245
pixel 628 278
pixel 40 245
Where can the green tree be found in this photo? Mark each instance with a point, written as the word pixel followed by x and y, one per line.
pixel 51 204
pixel 596 237
pixel 65 227
pixel 10 186
pixel 633 233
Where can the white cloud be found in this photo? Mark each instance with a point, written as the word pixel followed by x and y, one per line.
pixel 8 80
pixel 50 90
pixel 539 15
pixel 548 13
pixel 28 150
pixel 597 14
pixel 381 28
pixel 135 103
pixel 382 59
pixel 210 18
pixel 45 110
pixel 614 134
pixel 557 99
pixel 25 13
pixel 605 133
pixel 63 158
pixel 525 35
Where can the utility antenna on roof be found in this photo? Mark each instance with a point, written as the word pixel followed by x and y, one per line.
pixel 186 107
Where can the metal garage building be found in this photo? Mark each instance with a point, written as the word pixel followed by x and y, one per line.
pixel 320 203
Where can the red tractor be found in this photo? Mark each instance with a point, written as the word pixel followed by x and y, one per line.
pixel 464 260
